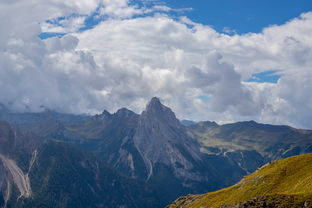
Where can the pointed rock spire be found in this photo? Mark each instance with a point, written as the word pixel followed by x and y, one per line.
pixel 106 113
pixel 154 105
pixel 161 139
pixel 155 110
pixel 154 102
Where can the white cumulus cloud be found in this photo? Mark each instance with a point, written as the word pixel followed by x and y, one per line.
pixel 126 59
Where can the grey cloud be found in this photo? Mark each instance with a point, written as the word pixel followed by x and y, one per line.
pixel 125 62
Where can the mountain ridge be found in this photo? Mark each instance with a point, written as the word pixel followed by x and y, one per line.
pixel 278 184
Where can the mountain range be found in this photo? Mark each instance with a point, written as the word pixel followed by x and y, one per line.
pixel 129 160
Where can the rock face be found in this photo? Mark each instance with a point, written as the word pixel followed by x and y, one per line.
pixel 20 179
pixel 16 152
pixel 161 139
pixel 278 201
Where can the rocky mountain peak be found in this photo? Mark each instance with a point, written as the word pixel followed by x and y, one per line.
pixel 156 108
pixel 159 129
pixel 157 112
pixel 106 113
pixel 154 104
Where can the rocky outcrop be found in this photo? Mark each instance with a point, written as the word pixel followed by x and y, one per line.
pixel 277 201
pixel 20 179
pixel 17 155
pixel 183 201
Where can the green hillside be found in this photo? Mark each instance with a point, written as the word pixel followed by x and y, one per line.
pixel 283 183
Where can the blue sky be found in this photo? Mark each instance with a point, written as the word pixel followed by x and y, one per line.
pixel 229 16
pixel 243 16
pixel 270 76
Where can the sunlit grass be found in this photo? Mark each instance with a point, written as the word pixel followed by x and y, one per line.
pixel 288 177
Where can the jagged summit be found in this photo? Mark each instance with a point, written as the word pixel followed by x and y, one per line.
pixel 154 103
pixel 106 113
pixel 155 100
pixel 155 110
pixel 155 106
pixel 124 112
pixel 160 130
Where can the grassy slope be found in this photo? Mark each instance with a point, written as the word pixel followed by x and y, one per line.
pixel 288 177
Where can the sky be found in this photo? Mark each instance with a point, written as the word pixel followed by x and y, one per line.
pixel 242 16
pixel 224 61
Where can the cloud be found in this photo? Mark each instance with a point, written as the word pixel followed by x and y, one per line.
pixel 229 31
pixel 137 52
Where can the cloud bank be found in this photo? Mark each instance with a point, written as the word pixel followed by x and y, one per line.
pixel 135 52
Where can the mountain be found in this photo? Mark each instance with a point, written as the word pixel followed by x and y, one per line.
pixel 158 129
pixel 173 159
pixel 284 183
pixel 251 144
pixel 274 142
pixel 157 151
pixel 153 147
pixel 63 176
pixel 53 173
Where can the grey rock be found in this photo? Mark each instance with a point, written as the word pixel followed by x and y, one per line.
pixel 160 138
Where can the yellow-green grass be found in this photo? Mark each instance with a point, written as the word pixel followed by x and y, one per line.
pixel 287 177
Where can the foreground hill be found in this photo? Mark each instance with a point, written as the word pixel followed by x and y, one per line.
pixel 284 183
